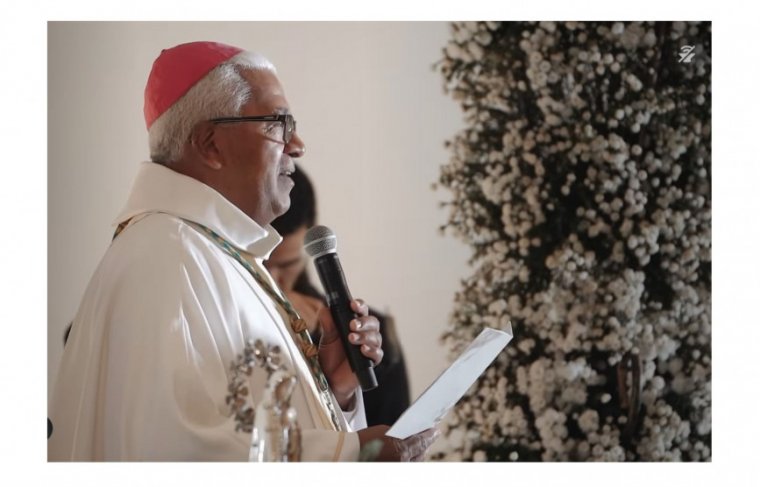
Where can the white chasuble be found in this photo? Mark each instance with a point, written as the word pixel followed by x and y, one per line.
pixel 145 372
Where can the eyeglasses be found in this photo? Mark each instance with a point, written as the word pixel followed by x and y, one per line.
pixel 286 119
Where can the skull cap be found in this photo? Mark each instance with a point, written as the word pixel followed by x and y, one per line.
pixel 178 69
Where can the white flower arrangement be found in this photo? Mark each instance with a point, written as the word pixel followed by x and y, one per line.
pixel 582 183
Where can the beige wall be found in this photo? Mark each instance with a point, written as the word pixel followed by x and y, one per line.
pixel 369 107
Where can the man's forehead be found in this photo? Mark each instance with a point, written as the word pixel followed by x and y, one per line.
pixel 263 80
pixel 266 92
pixel 259 106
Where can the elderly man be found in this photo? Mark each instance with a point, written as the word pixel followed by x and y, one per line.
pixel 182 287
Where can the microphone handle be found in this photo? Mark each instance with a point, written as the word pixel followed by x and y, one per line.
pixel 339 300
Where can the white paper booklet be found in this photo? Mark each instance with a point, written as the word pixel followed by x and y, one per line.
pixel 451 385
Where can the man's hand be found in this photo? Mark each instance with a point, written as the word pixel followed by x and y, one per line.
pixel 412 449
pixel 365 331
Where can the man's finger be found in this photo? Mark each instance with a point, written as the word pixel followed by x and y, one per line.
pixel 371 338
pixel 365 323
pixel 376 355
pixel 414 443
pixel 423 440
pixel 360 307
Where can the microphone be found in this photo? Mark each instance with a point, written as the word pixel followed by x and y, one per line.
pixel 321 244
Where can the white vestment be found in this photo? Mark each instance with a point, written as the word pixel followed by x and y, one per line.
pixel 145 372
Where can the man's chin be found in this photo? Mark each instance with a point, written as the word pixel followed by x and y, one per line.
pixel 282 206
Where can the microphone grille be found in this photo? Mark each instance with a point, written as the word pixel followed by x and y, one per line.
pixel 320 240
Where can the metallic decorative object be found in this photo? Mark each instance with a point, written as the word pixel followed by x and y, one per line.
pixel 275 434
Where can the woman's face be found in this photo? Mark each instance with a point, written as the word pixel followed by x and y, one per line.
pixel 288 260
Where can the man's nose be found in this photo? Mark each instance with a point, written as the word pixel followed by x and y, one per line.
pixel 296 147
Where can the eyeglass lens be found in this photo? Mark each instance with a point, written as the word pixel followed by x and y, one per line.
pixel 290 128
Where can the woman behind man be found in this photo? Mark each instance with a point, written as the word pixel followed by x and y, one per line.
pixel 287 265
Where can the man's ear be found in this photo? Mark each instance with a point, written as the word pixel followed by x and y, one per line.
pixel 204 142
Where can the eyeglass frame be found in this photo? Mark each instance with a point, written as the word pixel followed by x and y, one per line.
pixel 283 118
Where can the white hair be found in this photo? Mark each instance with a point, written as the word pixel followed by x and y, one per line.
pixel 221 93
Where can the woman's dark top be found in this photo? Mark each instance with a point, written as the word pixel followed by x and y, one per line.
pixel 385 403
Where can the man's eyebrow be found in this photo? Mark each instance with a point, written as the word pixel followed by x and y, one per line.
pixel 281 111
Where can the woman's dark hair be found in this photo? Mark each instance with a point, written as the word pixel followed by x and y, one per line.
pixel 303 206
pixel 302 213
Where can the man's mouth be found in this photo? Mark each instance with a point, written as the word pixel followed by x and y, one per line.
pixel 287 172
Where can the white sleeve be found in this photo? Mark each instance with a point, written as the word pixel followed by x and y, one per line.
pixel 355 417
pixel 142 377
pixel 331 446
